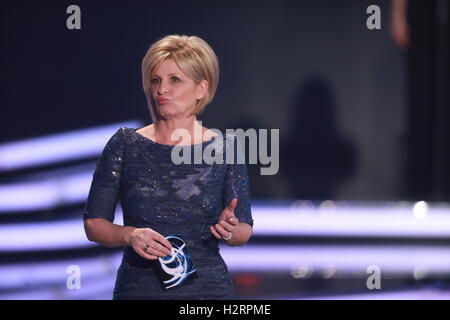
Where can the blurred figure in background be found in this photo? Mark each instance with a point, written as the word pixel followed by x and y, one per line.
pixel 316 157
pixel 421 28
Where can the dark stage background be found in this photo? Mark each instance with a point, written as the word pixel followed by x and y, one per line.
pixel 364 129
pixel 336 90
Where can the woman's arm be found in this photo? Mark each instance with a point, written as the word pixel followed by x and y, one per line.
pixel 101 204
pixel 107 233
pixel 236 219
pixel 146 242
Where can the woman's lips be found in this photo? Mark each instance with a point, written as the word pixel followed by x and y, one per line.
pixel 162 100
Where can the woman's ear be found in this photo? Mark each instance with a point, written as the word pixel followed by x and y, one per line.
pixel 202 88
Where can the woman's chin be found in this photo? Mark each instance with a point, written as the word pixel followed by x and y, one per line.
pixel 167 115
pixel 165 111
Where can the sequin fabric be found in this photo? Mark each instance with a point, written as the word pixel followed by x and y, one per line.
pixel 156 193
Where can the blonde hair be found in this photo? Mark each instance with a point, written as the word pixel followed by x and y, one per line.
pixel 195 58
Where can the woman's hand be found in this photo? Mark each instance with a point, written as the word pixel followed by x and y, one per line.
pixel 149 244
pixel 227 222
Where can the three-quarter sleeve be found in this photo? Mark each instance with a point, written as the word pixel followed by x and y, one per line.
pixel 104 192
pixel 237 185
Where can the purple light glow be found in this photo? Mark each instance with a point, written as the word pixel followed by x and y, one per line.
pixel 39 195
pixel 280 221
pixel 35 274
pixel 391 259
pixel 46 235
pixel 350 221
pixel 57 147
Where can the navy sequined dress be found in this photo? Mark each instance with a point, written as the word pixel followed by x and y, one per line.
pixel 170 198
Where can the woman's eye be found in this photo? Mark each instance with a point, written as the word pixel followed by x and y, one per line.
pixel 156 80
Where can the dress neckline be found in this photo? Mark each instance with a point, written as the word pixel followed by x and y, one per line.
pixel 134 130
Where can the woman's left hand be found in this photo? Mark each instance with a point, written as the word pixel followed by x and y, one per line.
pixel 227 222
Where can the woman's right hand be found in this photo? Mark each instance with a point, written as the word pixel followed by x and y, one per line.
pixel 149 244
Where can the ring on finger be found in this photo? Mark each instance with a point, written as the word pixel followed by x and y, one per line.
pixel 146 247
pixel 229 237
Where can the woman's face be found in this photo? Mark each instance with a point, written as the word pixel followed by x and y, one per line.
pixel 175 94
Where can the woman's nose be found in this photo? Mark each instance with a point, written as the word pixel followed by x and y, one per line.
pixel 162 88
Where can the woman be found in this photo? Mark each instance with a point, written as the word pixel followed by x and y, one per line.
pixel 202 203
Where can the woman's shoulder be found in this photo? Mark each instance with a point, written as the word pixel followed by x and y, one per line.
pixel 120 133
pixel 124 132
pixel 118 138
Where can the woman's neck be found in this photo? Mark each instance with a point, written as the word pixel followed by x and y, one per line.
pixel 185 131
